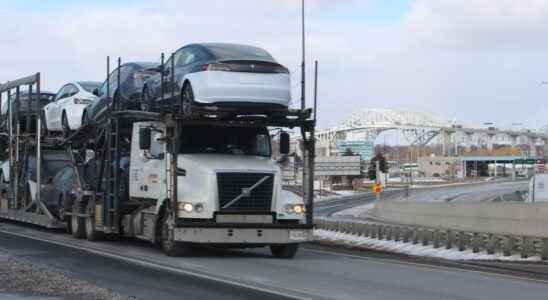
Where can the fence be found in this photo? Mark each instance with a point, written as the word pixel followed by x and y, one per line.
pixel 489 227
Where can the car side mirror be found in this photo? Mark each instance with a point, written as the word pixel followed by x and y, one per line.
pixel 284 143
pixel 144 138
pixel 166 72
pixel 96 92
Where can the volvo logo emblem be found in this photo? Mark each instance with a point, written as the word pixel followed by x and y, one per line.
pixel 252 67
pixel 246 192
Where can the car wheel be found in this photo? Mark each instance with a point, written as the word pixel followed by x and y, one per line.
pixel 187 100
pixel 84 118
pixel 44 125
pixel 284 251
pixel 169 246
pixel 65 125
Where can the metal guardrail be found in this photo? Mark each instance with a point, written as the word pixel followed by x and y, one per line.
pixel 477 241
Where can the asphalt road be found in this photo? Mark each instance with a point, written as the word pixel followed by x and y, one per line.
pixel 475 192
pixel 134 268
pixel 328 207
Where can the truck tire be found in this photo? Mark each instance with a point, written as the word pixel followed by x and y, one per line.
pixel 91 233
pixel 77 224
pixel 284 251
pixel 169 246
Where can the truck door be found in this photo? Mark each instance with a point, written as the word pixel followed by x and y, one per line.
pixel 148 166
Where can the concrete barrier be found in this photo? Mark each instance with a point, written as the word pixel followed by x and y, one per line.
pixel 502 218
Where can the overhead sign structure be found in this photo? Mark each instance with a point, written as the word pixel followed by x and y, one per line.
pixel 362 148
pixel 338 165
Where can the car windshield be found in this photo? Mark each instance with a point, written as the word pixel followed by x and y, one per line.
pixel 90 86
pixel 225 140
pixel 237 51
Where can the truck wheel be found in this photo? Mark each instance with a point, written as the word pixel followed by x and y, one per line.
pixel 77 224
pixel 284 251
pixel 169 245
pixel 91 233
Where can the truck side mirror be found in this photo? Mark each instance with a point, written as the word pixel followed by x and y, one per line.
pixel 284 143
pixel 144 138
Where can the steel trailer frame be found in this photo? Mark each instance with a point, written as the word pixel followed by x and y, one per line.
pixel 14 205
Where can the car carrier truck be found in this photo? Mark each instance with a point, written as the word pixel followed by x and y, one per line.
pixel 171 180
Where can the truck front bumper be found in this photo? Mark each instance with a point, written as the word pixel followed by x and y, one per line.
pixel 254 236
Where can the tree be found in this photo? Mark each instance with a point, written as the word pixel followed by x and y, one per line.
pixel 372 170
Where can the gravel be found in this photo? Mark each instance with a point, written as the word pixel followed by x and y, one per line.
pixel 20 280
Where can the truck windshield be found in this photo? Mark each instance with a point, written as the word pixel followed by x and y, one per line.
pixel 225 140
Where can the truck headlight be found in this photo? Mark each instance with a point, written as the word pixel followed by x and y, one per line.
pixel 295 208
pixel 188 207
pixel 185 206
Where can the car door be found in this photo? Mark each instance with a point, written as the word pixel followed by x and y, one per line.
pixel 53 116
pixel 72 90
pixel 185 63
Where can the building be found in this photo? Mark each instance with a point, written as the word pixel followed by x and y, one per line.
pixel 438 166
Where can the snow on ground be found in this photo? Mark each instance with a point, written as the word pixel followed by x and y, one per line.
pixel 338 194
pixel 413 249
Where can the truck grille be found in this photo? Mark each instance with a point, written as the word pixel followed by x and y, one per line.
pixel 230 186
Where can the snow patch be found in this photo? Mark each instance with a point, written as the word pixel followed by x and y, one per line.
pixel 413 249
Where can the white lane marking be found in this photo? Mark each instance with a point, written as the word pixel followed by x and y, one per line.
pixel 159 266
pixel 426 266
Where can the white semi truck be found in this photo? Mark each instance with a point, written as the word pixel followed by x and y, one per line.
pixel 168 180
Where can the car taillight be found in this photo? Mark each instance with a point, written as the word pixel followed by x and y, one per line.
pixel 246 67
pixel 216 67
pixel 81 101
pixel 280 69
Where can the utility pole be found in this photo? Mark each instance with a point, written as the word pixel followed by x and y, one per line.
pixel 303 58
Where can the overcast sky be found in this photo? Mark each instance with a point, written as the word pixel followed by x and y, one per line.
pixel 474 61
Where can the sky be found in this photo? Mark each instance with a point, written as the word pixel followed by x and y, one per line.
pixel 474 61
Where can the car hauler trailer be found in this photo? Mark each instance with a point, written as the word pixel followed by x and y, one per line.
pixel 21 140
pixel 172 180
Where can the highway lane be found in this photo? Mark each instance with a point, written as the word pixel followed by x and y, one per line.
pixel 474 192
pixel 327 208
pixel 315 273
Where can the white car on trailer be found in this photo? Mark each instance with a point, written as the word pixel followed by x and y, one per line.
pixel 64 114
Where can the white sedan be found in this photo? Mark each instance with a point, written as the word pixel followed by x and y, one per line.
pixel 65 112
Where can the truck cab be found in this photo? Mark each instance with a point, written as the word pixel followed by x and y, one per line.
pixel 229 190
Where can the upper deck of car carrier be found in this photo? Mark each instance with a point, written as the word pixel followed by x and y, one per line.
pixel 104 137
